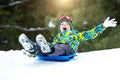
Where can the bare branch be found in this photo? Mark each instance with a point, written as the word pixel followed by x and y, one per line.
pixel 22 28
pixel 13 4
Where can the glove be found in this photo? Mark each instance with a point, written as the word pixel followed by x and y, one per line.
pixel 110 22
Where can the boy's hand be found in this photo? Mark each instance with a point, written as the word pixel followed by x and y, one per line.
pixel 110 22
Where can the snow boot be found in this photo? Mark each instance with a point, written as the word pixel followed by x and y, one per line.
pixel 26 43
pixel 44 45
pixel 28 53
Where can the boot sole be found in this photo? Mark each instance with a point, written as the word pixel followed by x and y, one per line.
pixel 23 39
pixel 41 41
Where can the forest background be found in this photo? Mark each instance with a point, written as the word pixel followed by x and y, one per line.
pixel 34 17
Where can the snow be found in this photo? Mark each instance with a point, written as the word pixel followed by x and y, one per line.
pixel 94 65
pixel 51 24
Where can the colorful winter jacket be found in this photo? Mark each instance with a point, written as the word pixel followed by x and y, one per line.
pixel 73 37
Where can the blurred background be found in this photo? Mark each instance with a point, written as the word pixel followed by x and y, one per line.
pixel 41 16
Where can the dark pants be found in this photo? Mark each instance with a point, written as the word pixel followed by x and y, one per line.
pixel 58 50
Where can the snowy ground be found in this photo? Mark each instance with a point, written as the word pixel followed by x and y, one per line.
pixel 95 65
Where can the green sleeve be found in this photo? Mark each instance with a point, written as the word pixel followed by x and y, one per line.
pixel 55 40
pixel 90 34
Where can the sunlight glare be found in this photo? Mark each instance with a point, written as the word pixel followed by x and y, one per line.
pixel 64 3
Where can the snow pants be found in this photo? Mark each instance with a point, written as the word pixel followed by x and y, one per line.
pixel 57 50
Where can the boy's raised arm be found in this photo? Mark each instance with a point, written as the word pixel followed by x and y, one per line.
pixel 93 33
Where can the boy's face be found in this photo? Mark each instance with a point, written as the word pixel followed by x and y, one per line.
pixel 64 26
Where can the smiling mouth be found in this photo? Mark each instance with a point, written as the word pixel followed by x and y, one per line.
pixel 64 28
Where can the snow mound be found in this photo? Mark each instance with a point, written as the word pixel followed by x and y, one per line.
pixel 94 65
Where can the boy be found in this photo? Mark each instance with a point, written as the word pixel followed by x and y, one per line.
pixel 66 41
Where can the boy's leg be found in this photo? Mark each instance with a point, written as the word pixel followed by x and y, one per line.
pixel 45 47
pixel 62 50
pixel 68 49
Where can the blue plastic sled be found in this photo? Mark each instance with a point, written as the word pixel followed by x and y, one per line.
pixel 57 58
